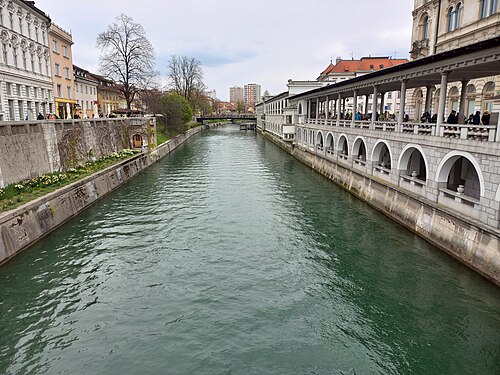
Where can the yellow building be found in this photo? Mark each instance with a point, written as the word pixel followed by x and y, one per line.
pixel 108 95
pixel 60 42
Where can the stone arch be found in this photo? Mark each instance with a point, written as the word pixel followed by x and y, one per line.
pixel 470 94
pixel 413 158
pixel 418 99
pixel 382 153
pixel 330 142
pixel 454 98
pixel 343 145
pixel 487 96
pixel 450 163
pixel 359 149
pixel 319 138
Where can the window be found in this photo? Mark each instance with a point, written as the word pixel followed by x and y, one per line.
pixel 425 27
pixel 76 87
pixel 19 92
pixel 488 7
pixel 4 52
pixel 65 51
pixel 67 72
pixel 33 63
pixel 36 34
pixel 69 91
pixel 11 19
pixel 11 111
pixel 21 110
pixel 56 46
pixel 9 88
pixel 14 50
pixel 39 65
pixel 451 15
pixel 389 95
pixel 25 64
pixel 20 25
pixel 458 15
pixel 57 67
pixel 86 89
pixel 29 30
pixel 59 90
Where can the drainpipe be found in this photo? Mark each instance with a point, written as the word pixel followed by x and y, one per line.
pixel 437 28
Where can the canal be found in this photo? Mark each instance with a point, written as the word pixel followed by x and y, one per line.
pixel 231 257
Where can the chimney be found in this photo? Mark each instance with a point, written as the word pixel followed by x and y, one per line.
pixel 338 59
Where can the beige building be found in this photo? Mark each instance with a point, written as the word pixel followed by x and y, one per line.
pixel 60 42
pixel 440 26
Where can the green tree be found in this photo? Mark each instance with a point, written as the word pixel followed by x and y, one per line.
pixel 240 107
pixel 176 111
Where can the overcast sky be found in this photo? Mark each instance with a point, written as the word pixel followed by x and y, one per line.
pixel 239 42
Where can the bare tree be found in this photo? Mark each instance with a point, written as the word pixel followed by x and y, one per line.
pixel 128 57
pixel 186 78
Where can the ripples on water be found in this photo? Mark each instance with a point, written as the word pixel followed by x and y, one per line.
pixel 231 257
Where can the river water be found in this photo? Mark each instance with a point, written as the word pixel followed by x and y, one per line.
pixel 231 257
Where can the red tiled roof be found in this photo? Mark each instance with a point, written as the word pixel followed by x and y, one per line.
pixel 364 65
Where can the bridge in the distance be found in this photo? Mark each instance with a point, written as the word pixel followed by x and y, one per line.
pixel 229 116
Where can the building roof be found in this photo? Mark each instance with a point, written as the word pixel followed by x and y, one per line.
pixel 366 64
pixel 31 4
pixel 492 66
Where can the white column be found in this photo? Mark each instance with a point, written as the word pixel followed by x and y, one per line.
pixel 428 99
pixel 402 104
pixel 317 109
pixel 338 109
pixel 442 101
pixel 354 107
pixel 327 110
pixel 366 104
pixel 308 116
pixel 382 97
pixel 374 106
pixel 463 96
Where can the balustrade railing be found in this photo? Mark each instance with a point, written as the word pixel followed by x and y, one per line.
pixel 459 131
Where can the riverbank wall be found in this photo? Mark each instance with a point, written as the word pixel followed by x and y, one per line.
pixel 22 227
pixel 474 245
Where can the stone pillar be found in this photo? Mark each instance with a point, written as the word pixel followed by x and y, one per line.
pixel 327 110
pixel 366 104
pixel 354 107
pixel 338 109
pixel 308 110
pixel 402 104
pixel 374 106
pixel 317 109
pixel 343 106
pixel 463 97
pixel 428 99
pixel 442 101
pixel 382 104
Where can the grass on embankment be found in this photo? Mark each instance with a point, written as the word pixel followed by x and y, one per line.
pixel 14 195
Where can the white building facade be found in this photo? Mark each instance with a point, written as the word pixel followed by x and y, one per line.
pixel 440 26
pixel 25 71
pixel 85 92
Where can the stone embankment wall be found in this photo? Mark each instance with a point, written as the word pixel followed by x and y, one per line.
pixel 25 225
pixel 30 149
pixel 476 246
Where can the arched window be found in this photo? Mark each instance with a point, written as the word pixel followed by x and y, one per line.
pixel 425 27
pixel 451 15
pixel 487 97
pixel 458 15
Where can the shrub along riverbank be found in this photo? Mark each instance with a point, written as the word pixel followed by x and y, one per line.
pixel 14 195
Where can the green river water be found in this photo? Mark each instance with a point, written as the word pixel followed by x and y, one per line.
pixel 231 257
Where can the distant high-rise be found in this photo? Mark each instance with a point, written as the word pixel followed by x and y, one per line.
pixel 236 94
pixel 252 95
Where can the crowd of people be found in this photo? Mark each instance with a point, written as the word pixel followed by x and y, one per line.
pixel 473 119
